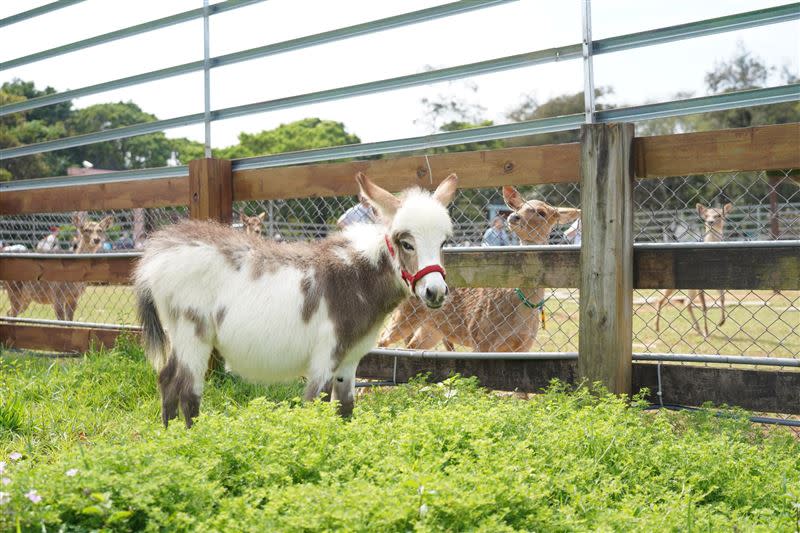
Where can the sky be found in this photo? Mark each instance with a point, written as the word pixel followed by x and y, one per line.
pixel 650 74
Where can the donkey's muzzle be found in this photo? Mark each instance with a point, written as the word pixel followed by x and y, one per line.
pixel 435 296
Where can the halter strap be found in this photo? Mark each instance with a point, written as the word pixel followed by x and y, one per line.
pixel 411 280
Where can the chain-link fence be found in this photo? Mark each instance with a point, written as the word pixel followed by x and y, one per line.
pixel 740 206
pixel 763 206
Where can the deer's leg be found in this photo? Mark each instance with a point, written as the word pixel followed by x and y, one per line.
pixel 18 299
pixel 344 388
pixel 690 306
pixel 449 346
pixel 664 299
pixel 425 338
pixel 722 307
pixel 181 380
pixel 702 295
pixel 401 326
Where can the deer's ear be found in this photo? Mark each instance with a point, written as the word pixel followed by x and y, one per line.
pixel 243 218
pixel 727 209
pixel 77 221
pixel 384 201
pixel 106 222
pixel 568 215
pixel 513 198
pixel 446 190
pixel 701 210
pixel 262 215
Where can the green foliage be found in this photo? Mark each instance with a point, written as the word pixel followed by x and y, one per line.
pixel 427 457
pixel 305 134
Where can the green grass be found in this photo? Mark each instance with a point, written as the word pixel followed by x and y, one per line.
pixel 752 329
pixel 419 457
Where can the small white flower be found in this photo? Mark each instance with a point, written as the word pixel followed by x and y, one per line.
pixel 2 467
pixel 450 393
pixel 15 456
pixel 33 496
pixel 423 510
pixel 5 481
pixel 71 472
pixel 4 498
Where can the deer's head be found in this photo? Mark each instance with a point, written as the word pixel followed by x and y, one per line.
pixel 532 220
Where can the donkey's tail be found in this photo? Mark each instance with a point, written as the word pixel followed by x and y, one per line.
pixel 155 340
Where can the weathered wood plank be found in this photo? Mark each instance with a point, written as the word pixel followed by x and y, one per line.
pixel 97 196
pixel 56 339
pixel 758 148
pixel 550 267
pixel 606 280
pixel 97 268
pixel 757 390
pixel 739 267
pixel 735 268
pixel 768 390
pixel 494 168
pixel 499 374
pixel 211 190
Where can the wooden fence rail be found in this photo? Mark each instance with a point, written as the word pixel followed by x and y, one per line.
pixel 609 271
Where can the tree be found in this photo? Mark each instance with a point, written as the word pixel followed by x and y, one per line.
pixel 305 134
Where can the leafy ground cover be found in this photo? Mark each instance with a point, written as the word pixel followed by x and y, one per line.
pixel 82 449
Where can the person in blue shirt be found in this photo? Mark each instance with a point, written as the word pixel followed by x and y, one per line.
pixel 496 235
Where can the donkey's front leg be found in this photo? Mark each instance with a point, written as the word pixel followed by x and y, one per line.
pixel 344 389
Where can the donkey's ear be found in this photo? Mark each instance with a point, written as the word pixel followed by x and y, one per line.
pixel 568 215
pixel 727 209
pixel 106 222
pixel 262 215
pixel 381 199
pixel 701 210
pixel 513 198
pixel 446 190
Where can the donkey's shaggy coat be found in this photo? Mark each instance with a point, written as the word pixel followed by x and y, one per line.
pixel 280 311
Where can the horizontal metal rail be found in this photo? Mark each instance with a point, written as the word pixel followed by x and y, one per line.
pixel 720 359
pixel 700 28
pixel 144 27
pixel 36 11
pixel 366 28
pixel 789 243
pixel 428 354
pixel 613 44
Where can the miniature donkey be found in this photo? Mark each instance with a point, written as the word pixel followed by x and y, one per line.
pixel 487 320
pixel 276 312
pixel 63 296
pixel 714 221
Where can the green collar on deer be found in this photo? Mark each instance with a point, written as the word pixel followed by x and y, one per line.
pixel 527 302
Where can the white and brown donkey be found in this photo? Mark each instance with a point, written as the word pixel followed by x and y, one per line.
pixel 277 312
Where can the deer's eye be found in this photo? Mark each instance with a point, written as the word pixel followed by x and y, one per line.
pixel 541 213
pixel 407 246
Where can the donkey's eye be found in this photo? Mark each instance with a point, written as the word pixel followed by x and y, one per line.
pixel 407 246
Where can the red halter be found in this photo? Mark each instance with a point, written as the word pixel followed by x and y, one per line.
pixel 411 280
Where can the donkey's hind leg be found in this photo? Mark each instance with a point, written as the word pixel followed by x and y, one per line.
pixel 181 380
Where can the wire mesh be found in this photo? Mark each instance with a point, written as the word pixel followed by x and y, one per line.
pixel 77 232
pixel 739 206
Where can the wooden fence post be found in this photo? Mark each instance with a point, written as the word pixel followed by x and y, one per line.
pixel 211 198
pixel 211 190
pixel 606 290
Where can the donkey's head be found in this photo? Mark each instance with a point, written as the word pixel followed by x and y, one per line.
pixel 714 219
pixel 253 225
pixel 91 234
pixel 417 225
pixel 532 220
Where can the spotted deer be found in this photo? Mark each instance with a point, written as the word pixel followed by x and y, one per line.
pixel 485 319
pixel 253 225
pixel 714 222
pixel 276 312
pixel 63 296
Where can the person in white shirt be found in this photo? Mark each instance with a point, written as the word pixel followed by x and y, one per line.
pixel 573 233
pixel 361 212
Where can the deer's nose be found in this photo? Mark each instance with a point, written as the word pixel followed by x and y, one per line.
pixel 96 240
